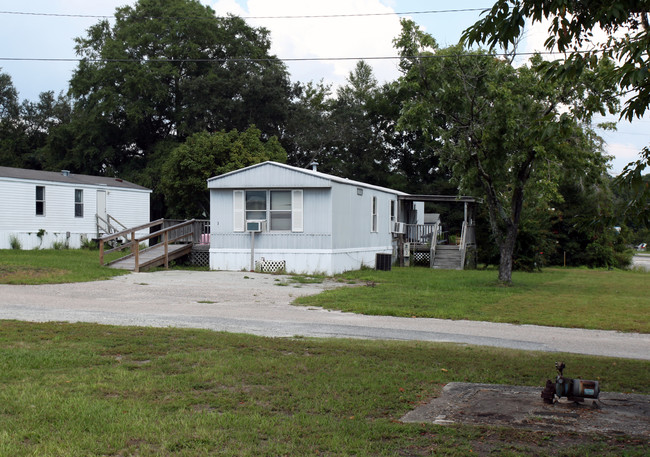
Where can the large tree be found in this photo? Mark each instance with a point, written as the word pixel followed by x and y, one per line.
pixel 504 132
pixel 164 70
pixel 353 133
pixel 10 135
pixel 25 128
pixel 573 30
pixel 204 155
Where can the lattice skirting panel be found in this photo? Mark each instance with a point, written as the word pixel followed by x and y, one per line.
pixel 200 258
pixel 270 266
pixel 420 258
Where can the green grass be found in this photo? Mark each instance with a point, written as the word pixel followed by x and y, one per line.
pixel 49 266
pixel 596 299
pixel 90 390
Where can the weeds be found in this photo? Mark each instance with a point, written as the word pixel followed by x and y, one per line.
pixel 83 389
pixel 15 243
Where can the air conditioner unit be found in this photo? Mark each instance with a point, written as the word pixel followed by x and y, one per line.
pixel 399 227
pixel 255 226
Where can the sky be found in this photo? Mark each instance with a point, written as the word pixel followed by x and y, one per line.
pixel 50 36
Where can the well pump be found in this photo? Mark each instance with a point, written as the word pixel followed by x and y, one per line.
pixel 573 389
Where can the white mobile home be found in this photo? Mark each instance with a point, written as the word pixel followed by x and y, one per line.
pixel 304 220
pixel 41 208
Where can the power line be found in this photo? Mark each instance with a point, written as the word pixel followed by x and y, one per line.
pixel 285 59
pixel 311 16
pixel 268 59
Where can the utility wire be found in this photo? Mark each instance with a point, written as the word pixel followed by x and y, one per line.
pixel 315 16
pixel 286 59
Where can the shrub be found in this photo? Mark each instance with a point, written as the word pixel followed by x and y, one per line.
pixel 14 242
pixel 60 245
pixel 89 244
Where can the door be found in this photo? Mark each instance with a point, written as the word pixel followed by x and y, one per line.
pixel 102 216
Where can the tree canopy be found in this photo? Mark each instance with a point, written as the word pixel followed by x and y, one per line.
pixel 164 70
pixel 573 30
pixel 204 155
pixel 505 132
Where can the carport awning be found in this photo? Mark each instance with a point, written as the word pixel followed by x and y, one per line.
pixel 439 198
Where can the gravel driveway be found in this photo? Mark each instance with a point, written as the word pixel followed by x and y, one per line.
pixel 259 304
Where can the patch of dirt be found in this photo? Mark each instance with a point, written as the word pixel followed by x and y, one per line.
pixel 613 414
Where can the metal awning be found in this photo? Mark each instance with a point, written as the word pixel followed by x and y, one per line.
pixel 439 198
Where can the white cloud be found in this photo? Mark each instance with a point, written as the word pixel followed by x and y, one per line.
pixel 349 37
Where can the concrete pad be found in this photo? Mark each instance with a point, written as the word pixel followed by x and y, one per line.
pixel 523 407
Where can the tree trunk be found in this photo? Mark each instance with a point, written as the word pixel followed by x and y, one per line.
pixel 506 249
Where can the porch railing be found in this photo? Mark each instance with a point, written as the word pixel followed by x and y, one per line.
pixel 463 244
pixel 106 226
pixel 200 228
pixel 434 242
pixel 420 233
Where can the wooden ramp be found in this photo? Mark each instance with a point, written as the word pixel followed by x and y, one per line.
pixel 175 239
pixel 152 257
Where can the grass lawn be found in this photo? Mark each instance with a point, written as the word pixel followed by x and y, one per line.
pixel 48 266
pixel 90 390
pixel 596 299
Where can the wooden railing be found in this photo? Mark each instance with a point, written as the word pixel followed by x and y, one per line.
pixel 434 243
pixel 463 245
pixel 109 228
pixel 189 231
pixel 123 234
pixel 420 233
pixel 201 229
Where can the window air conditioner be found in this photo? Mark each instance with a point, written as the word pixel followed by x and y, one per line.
pixel 255 226
pixel 399 227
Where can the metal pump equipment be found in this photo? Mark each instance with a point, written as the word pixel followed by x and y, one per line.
pixel 573 389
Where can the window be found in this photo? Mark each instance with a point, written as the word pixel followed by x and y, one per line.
pixel 40 200
pixel 78 203
pixel 255 205
pixel 373 220
pixel 281 208
pixel 393 218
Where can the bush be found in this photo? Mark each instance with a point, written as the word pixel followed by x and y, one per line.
pixel 14 242
pixel 89 244
pixel 60 245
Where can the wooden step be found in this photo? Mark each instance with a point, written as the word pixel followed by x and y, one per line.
pixel 447 257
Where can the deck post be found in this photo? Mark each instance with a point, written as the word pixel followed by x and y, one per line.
pixel 136 256
pixel 101 252
pixel 166 250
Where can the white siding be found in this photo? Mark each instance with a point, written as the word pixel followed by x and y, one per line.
pixel 18 212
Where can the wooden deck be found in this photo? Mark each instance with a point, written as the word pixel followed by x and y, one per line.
pixel 152 257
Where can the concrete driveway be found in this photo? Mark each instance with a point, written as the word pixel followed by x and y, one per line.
pixel 260 304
